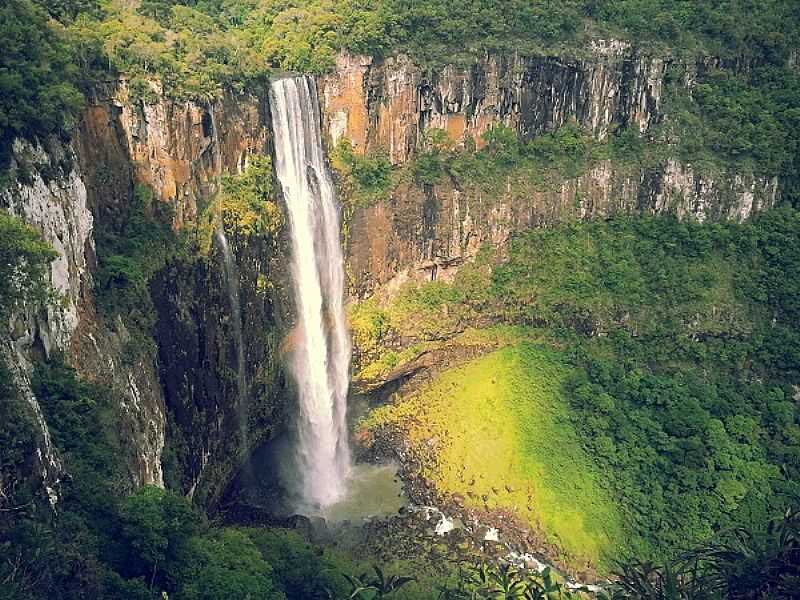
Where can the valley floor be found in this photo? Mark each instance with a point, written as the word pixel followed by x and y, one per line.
pixel 494 436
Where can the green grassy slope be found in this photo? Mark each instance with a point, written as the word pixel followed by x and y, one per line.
pixel 683 354
pixel 503 439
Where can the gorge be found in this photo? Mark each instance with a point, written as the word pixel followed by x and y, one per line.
pixel 276 281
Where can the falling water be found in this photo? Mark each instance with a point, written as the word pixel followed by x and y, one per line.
pixel 232 284
pixel 321 358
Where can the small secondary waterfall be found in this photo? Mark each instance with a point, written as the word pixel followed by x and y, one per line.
pixel 321 358
pixel 232 284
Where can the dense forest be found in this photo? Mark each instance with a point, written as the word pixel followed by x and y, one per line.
pixel 683 345
pixel 648 366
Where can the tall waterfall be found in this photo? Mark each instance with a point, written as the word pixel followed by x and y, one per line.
pixel 321 357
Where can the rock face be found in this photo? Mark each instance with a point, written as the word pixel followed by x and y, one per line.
pixel 216 424
pixel 389 104
pixel 180 150
pixel 182 402
pixel 177 149
pixel 178 393
pixel 425 232
pixel 57 207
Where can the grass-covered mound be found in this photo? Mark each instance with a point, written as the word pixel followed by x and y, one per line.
pixel 499 434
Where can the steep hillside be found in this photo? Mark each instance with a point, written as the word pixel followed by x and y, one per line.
pixel 682 341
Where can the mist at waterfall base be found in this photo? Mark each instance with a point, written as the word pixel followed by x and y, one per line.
pixel 319 477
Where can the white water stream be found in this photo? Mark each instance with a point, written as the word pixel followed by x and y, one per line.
pixel 232 285
pixel 321 357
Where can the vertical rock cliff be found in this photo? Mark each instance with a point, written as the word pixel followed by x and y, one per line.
pixel 180 391
pixel 423 232
pixel 390 103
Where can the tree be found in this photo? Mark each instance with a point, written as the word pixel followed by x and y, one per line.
pixel 38 91
pixel 156 525
pixel 24 259
pixel 226 564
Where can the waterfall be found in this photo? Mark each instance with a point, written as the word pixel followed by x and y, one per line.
pixel 321 358
pixel 232 285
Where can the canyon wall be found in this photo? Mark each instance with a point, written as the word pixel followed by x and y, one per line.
pixel 178 391
pixel 388 104
pixel 425 231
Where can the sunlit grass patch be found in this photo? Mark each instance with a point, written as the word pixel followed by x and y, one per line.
pixel 501 437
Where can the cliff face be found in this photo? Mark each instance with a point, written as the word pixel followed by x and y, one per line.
pixel 218 416
pixel 178 392
pixel 389 104
pixel 180 149
pixel 424 232
pixel 49 194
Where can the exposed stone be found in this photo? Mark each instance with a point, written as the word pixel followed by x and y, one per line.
pixel 424 234
pixel 390 103
pixel 180 149
pixel 57 208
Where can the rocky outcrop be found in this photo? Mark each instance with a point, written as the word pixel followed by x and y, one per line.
pixel 177 149
pixel 180 151
pixel 48 193
pixel 177 401
pixel 422 234
pixel 217 423
pixel 388 104
pixel 425 232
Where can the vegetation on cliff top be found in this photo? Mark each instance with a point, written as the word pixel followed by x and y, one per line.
pixel 743 111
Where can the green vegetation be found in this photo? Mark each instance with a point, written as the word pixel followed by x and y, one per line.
pixel 131 248
pixel 24 260
pixel 761 561
pixel 497 431
pixel 684 345
pixel 749 120
pixel 248 202
pixel 245 206
pixel 39 80
pixel 505 160
pixel 363 180
pixel 193 53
